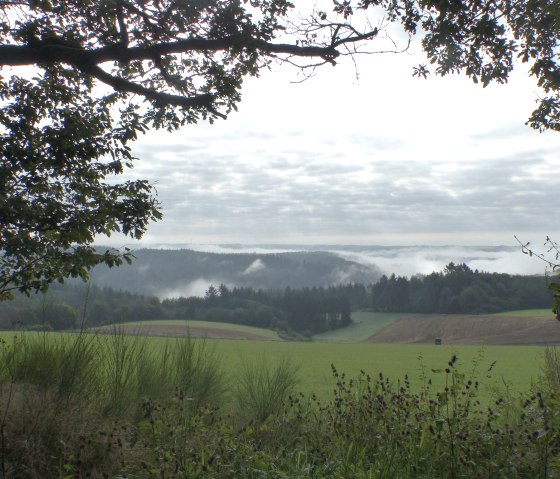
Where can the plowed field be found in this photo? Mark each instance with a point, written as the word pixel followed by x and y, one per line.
pixel 470 329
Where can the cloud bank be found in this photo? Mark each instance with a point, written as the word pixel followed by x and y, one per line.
pixel 385 159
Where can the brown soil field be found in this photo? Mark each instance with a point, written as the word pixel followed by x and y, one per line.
pixel 470 329
pixel 177 330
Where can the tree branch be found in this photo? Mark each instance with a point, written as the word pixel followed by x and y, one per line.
pixel 49 53
pixel 553 248
pixel 356 38
pixel 120 84
pixel 123 31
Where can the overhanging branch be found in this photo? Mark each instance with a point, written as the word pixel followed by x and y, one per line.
pixel 120 84
pixel 49 53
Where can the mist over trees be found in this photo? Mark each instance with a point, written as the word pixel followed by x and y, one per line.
pixel 296 313
pixel 173 273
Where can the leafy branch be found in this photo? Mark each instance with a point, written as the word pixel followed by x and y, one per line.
pixel 551 257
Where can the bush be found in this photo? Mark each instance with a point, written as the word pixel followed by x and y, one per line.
pixel 197 371
pixel 39 439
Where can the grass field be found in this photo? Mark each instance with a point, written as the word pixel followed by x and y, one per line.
pixel 180 327
pixel 365 324
pixel 516 366
pixel 528 313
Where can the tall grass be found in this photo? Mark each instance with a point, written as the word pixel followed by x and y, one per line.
pixel 551 368
pixel 261 388
pixel 197 371
pixel 113 370
pixel 66 366
pixel 120 358
pixel 60 394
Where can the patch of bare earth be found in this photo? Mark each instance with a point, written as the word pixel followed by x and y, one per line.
pixel 166 330
pixel 470 329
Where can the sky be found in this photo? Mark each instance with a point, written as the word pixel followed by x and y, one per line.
pixel 382 158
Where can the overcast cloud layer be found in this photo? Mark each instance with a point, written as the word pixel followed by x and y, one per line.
pixel 386 159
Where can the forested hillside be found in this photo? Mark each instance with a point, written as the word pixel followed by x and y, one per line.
pixel 175 273
pixel 304 311
pixel 458 289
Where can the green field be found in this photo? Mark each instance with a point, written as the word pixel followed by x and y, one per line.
pixel 516 366
pixel 365 324
pixel 528 313
pixel 200 325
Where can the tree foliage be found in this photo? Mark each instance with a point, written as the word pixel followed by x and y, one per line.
pixel 460 290
pixel 82 79
pixel 486 40
pixel 551 258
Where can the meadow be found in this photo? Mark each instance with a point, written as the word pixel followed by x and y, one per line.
pixel 115 405
pixel 514 368
pixel 529 313
pixel 180 327
pixel 365 324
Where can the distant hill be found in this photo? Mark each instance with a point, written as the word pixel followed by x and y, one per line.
pixel 174 273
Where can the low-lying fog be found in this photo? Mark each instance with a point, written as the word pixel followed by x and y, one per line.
pixel 402 260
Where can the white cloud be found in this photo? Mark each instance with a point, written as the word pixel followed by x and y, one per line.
pixel 388 158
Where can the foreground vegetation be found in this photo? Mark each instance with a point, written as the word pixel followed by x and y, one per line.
pixel 127 406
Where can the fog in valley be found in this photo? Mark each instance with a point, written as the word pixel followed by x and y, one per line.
pixel 404 260
pixel 184 270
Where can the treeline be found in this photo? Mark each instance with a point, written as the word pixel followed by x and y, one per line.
pixel 304 311
pixel 75 305
pixel 292 312
pixel 459 290
pixel 295 313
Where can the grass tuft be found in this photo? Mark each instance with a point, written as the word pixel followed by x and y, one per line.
pixel 262 389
